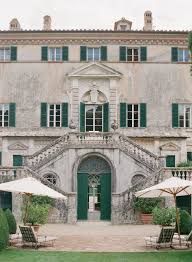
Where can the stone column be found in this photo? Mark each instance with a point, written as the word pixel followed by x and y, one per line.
pixel 72 208
pixel 17 204
pixel 115 214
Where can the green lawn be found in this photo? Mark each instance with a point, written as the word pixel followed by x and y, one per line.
pixel 11 255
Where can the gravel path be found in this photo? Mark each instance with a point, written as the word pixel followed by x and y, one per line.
pixel 99 236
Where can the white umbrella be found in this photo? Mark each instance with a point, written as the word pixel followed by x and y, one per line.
pixel 30 186
pixel 173 186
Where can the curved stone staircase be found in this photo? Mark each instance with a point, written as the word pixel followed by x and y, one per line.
pixel 93 140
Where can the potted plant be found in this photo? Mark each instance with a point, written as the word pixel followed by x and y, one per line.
pixel 145 207
pixel 164 216
pixel 37 215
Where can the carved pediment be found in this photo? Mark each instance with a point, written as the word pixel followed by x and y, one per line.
pixel 170 147
pixel 95 70
pixel 17 146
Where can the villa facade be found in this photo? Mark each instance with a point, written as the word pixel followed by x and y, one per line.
pixel 93 112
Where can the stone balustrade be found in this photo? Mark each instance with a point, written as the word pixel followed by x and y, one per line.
pixel 181 172
pixel 10 173
pixel 95 139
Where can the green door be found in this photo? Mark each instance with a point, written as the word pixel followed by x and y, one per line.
pixel 106 196
pixel 82 196
pixel 184 202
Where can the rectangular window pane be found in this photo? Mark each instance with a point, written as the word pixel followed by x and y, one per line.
pixel 4 115
pixel 94 118
pixel 90 54
pixel 96 54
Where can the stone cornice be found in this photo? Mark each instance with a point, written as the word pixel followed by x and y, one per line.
pixel 178 38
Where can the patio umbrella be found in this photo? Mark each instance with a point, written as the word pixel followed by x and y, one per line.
pixel 170 187
pixel 30 186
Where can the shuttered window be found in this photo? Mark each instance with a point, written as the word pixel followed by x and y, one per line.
pixel 182 115
pixel 133 115
pixel 132 54
pixel 0 158
pixel 7 115
pixel 189 156
pixel 93 53
pixel 54 115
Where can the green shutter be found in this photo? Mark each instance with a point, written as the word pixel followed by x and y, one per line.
pixel 82 196
pixel 175 115
pixel 0 158
pixel 143 115
pixel 43 114
pixel 105 196
pixel 65 53
pixel 174 54
pixel 123 114
pixel 189 156
pixel 83 53
pixel 82 117
pixel 64 114
pixel 170 161
pixel 122 53
pixel 13 53
pixel 17 160
pixel 44 53
pixel 143 54
pixel 103 53
pixel 106 117
pixel 12 113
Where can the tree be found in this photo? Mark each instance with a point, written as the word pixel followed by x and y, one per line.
pixel 4 230
pixel 11 221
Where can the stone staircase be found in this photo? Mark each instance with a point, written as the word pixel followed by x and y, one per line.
pixel 93 140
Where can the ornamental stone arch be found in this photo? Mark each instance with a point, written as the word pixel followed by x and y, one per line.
pixel 94 163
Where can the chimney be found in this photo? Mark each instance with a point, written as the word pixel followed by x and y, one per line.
pixel 46 23
pixel 148 21
pixel 14 25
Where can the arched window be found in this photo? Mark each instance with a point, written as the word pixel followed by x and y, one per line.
pixel 137 178
pixel 51 178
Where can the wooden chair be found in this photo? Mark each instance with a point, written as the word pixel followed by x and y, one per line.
pixel 29 237
pixel 185 239
pixel 164 239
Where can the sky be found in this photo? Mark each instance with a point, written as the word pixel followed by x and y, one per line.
pixel 96 14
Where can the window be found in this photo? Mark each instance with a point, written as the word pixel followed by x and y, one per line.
pixel 170 161
pixel 133 115
pixel 183 55
pixel 5 54
pixel 55 53
pixel 51 178
pixel 185 116
pixel 93 53
pixel 94 118
pixel 54 115
pixel 17 160
pixel 132 54
pixel 4 115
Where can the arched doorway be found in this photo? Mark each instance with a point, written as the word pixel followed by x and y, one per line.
pixel 94 189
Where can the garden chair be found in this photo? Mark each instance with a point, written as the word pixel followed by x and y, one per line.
pixel 30 237
pixel 185 239
pixel 164 239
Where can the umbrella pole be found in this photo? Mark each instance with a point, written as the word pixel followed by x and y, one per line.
pixel 177 219
pixel 26 208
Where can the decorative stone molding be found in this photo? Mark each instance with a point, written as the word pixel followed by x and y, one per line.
pixel 170 147
pixel 18 146
pixel 96 70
